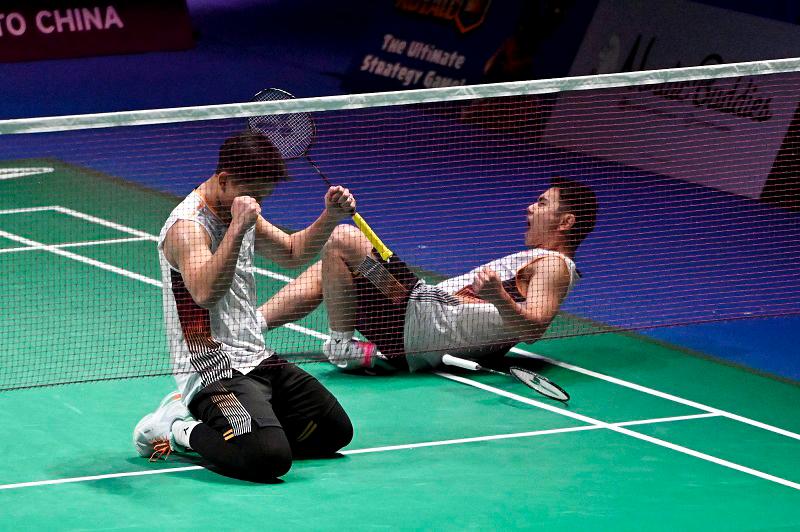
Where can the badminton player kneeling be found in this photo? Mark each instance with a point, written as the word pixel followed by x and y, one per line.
pixel 241 407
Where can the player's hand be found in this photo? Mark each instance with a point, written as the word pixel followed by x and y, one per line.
pixel 487 285
pixel 340 203
pixel 245 210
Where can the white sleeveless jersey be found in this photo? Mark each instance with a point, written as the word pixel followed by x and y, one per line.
pixel 206 345
pixel 438 322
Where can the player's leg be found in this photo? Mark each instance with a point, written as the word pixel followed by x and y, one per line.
pixel 237 432
pixel 345 249
pixel 240 434
pixel 296 299
pixel 260 456
pixel 315 423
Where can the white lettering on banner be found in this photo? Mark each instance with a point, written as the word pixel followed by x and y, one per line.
pixel 112 18
pixel 431 54
pixel 422 51
pixel 433 80
pixel 45 26
pixel 407 76
pixel 62 20
pixel 16 24
pixel 393 45
pixel 12 23
pixel 93 18
pixel 627 35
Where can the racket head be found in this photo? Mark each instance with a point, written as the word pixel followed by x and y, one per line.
pixel 291 133
pixel 540 384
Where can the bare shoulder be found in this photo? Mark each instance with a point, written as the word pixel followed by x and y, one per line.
pixel 183 239
pixel 550 267
pixel 552 264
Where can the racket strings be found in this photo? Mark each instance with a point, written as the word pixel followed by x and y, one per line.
pixel 539 383
pixel 291 133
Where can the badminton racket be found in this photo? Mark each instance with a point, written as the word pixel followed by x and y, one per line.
pixel 293 134
pixel 532 380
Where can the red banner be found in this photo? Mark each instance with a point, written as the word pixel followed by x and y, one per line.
pixel 58 29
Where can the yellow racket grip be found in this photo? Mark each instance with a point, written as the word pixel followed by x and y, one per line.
pixel 376 242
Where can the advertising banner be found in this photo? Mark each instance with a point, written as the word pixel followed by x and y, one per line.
pixel 418 44
pixel 671 122
pixel 31 29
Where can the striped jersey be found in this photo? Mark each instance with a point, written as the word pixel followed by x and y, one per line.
pixel 439 321
pixel 206 345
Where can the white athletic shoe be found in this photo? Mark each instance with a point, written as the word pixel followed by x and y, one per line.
pixel 152 436
pixel 352 355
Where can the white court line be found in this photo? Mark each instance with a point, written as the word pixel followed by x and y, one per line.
pixel 28 209
pixel 544 406
pixel 75 244
pixel 622 430
pixel 360 451
pixel 124 229
pixel 577 369
pixel 13 173
pixel 126 273
pixel 662 395
pixel 105 223
pixel 79 258
pixel 273 275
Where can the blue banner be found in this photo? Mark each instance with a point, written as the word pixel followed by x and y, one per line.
pixel 416 44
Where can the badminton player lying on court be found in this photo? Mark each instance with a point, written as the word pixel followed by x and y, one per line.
pixel 249 412
pixel 477 315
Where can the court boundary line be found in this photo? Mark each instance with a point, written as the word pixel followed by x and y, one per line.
pixel 384 448
pixel 22 171
pixel 622 430
pixel 22 210
pixel 516 350
pixel 83 244
pixel 657 393
pixel 564 412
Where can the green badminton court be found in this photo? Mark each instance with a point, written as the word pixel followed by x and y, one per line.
pixel 654 437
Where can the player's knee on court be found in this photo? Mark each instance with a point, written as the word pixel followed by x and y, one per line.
pixel 339 428
pixel 333 432
pixel 266 453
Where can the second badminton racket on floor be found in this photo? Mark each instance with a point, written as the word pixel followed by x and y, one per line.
pixel 532 380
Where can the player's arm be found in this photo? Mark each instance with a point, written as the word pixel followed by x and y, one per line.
pixel 546 290
pixel 208 275
pixel 297 249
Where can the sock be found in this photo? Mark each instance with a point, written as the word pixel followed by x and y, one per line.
pixel 182 430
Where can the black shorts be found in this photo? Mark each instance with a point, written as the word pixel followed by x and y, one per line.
pixel 380 319
pixel 275 393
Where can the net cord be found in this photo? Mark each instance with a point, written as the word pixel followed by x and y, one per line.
pixel 381 99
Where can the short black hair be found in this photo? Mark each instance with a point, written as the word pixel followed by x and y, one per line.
pixel 248 157
pixel 581 201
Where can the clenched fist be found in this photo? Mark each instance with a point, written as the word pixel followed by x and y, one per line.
pixel 487 285
pixel 340 203
pixel 244 213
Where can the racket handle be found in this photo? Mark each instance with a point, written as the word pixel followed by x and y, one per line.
pixel 376 242
pixel 450 360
